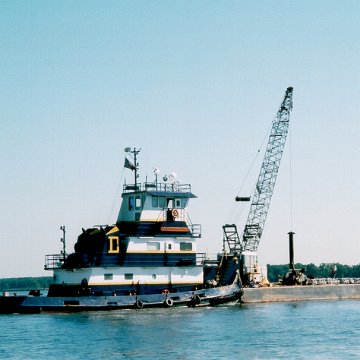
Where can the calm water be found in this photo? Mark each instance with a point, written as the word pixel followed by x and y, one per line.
pixel 306 330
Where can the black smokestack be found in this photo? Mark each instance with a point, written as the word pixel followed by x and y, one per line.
pixel 291 250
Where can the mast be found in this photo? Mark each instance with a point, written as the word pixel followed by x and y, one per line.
pixel 134 167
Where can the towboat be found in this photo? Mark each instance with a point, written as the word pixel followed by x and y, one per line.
pixel 148 258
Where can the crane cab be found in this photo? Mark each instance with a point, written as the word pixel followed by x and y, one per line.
pixel 251 271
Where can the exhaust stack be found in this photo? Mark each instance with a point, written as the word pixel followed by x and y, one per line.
pixel 291 250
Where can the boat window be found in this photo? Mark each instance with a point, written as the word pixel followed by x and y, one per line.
pixel 154 276
pixel 177 203
pixel 131 203
pixel 138 202
pixel 108 276
pixel 184 202
pixel 155 201
pixel 113 245
pixel 169 246
pixel 153 245
pixel 129 276
pixel 185 246
pixel 161 202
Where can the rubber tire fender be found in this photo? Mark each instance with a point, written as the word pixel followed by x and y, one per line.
pixel 195 300
pixel 138 304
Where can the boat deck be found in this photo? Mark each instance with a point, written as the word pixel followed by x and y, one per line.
pixel 301 293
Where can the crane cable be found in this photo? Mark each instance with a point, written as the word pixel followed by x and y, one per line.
pixel 236 213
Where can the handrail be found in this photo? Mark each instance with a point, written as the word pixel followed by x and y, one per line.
pixel 54 261
pixel 147 186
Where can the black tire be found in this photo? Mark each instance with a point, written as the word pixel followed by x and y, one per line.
pixel 138 304
pixel 195 300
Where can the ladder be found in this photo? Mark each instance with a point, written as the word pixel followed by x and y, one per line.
pixel 232 238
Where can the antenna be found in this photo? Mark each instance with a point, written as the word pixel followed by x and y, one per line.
pixel 133 153
pixel 156 173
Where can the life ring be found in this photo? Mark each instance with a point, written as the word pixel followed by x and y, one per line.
pixel 168 302
pixel 139 304
pixel 174 213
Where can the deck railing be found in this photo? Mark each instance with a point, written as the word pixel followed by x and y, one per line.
pixel 195 230
pixel 157 187
pixel 53 261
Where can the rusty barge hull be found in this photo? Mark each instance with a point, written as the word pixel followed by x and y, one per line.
pixel 301 293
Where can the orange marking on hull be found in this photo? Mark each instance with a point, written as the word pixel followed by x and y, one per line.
pixel 174 229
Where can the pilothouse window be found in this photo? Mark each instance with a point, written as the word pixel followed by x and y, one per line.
pixel 131 203
pixel 155 201
pixel 162 202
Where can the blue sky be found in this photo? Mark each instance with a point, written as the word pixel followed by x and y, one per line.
pixel 196 85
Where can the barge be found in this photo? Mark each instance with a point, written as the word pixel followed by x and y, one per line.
pixel 301 293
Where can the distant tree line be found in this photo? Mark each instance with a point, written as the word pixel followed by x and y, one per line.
pixel 322 271
pixel 25 283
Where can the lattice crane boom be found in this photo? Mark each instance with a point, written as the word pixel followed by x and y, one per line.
pixel 250 238
pixel 267 177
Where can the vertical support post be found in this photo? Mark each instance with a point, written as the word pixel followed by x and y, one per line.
pixel 62 228
pixel 135 152
pixel 291 250
pixel 136 166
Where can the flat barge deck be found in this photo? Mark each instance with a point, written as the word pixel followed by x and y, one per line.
pixel 301 293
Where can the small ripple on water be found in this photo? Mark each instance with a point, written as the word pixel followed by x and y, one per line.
pixel 312 330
